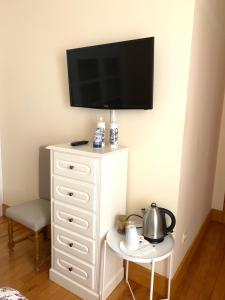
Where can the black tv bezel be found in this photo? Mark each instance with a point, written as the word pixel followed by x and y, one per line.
pixel 112 107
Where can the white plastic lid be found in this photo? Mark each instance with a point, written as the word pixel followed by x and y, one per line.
pixel 112 116
pixel 101 123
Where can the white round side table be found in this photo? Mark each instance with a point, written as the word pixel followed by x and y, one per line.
pixel 152 253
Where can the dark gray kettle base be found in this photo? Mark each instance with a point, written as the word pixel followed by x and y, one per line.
pixel 154 241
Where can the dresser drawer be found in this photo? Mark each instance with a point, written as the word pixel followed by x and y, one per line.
pixel 74 244
pixel 75 166
pixel 74 219
pixel 74 269
pixel 75 193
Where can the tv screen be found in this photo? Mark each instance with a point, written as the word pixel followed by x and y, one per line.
pixel 113 76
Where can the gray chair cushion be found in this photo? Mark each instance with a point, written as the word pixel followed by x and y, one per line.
pixel 44 173
pixel 33 214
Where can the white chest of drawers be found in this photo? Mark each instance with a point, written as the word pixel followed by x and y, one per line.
pixel 88 189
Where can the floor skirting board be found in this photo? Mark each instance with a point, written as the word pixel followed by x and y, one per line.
pixel 141 275
pixel 4 206
pixel 183 267
pixel 218 216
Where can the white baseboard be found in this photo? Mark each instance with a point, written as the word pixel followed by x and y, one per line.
pixel 82 291
pixel 72 286
pixel 112 284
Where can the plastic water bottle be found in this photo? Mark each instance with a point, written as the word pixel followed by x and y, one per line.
pixel 99 136
pixel 101 129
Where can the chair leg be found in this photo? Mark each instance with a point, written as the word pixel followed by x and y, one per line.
pixel 10 237
pixel 45 233
pixel 37 251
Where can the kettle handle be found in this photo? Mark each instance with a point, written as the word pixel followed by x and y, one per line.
pixel 171 215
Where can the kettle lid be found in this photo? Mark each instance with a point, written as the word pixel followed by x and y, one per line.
pixel 153 205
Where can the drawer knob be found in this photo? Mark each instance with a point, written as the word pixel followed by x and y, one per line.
pixel 70 220
pixel 70 269
pixel 70 194
pixel 71 244
pixel 71 167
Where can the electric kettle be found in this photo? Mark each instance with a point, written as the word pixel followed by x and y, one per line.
pixel 154 223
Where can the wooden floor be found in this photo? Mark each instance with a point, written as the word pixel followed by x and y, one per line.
pixel 205 278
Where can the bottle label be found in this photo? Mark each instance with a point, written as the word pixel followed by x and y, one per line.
pixel 97 141
pixel 113 136
pixel 101 131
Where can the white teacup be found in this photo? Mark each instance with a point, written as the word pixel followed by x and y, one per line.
pixel 132 238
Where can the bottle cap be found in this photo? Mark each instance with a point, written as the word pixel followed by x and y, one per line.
pixel 101 123
pixel 112 116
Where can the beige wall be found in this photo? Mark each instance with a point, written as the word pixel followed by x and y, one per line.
pixel 34 37
pixel 36 93
pixel 204 106
pixel 35 107
pixel 219 183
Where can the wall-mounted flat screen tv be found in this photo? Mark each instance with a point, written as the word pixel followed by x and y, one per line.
pixel 113 76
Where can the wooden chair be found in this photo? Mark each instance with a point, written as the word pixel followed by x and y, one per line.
pixel 35 214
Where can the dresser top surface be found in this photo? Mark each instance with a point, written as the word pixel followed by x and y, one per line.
pixel 86 149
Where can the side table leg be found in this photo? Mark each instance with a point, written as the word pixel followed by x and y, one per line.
pixel 127 281
pixel 127 270
pixel 152 280
pixel 170 275
pixel 103 272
